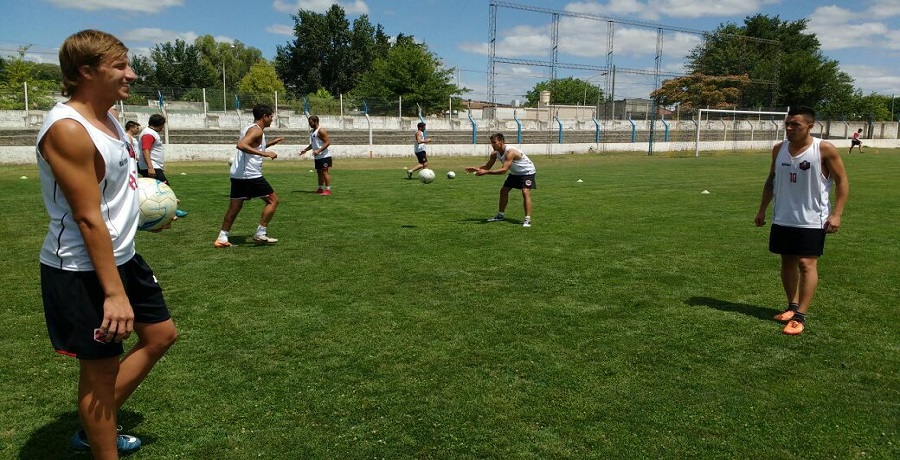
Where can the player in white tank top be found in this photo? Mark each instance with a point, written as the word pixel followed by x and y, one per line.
pixel 521 175
pixel 247 181
pixel 319 143
pixel 64 247
pixel 802 172
pixel 89 183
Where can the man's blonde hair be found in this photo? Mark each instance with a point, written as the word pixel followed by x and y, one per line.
pixel 90 48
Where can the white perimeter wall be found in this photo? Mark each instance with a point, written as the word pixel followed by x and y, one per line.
pixel 213 152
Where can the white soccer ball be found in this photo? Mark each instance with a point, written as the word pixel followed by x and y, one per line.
pixel 451 174
pixel 157 204
pixel 426 176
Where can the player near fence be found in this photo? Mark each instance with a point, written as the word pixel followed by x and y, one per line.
pixel 96 289
pixel 801 175
pixel 855 141
pixel 521 175
pixel 319 143
pixel 152 157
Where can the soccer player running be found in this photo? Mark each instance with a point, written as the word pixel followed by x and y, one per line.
pixel 247 181
pixel 521 175
pixel 96 289
pixel 855 142
pixel 419 150
pixel 319 143
pixel 802 173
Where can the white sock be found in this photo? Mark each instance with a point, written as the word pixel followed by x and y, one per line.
pixel 527 217
pixel 260 230
pixel 328 188
pixel 223 236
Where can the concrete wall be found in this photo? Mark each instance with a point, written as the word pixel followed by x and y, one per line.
pixel 288 152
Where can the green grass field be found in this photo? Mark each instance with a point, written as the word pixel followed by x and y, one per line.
pixel 633 320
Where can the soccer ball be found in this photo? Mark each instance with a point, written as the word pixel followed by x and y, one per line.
pixel 157 204
pixel 451 174
pixel 426 176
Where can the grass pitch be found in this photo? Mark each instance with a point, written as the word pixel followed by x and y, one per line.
pixel 633 320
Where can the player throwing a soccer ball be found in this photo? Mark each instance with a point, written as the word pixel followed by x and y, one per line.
pixel 521 175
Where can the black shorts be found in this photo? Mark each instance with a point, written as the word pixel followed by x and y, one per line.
pixel 422 157
pixel 796 241
pixel 520 182
pixel 248 189
pixel 160 175
pixel 73 306
pixel 855 142
pixel 323 163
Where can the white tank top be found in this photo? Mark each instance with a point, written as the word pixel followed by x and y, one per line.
pixel 801 188
pixel 317 143
pixel 418 147
pixel 246 165
pixel 521 167
pixel 64 246
pixel 157 157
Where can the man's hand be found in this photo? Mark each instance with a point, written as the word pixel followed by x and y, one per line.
pixel 118 319
pixel 832 224
pixel 760 219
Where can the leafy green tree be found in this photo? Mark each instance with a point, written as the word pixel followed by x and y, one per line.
pixel 412 72
pixel 17 73
pixel 327 53
pixel 179 67
pixel 786 66
pixel 260 84
pixel 565 91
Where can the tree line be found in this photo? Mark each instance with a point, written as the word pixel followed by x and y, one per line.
pixel 765 62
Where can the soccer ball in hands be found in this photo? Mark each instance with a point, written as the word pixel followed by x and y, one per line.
pixel 157 204
pixel 451 175
pixel 426 176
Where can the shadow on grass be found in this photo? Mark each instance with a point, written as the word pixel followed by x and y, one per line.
pixel 52 439
pixel 483 220
pixel 742 308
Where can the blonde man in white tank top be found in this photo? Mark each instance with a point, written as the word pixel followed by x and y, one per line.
pixel 89 268
pixel 802 173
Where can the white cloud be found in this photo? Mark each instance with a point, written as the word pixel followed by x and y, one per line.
pixel 320 6
pixel 153 35
pixel 842 28
pixel 874 79
pixel 652 10
pixel 281 29
pixel 144 6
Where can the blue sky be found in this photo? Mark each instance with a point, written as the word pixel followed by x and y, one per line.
pixel 862 35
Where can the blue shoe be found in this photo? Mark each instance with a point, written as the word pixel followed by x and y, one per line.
pixel 180 213
pixel 125 443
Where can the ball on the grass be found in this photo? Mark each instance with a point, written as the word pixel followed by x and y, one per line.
pixel 451 174
pixel 426 176
pixel 157 204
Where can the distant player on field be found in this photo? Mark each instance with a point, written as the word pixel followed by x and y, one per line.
pixel 247 181
pixel 419 150
pixel 803 170
pixel 152 159
pixel 319 143
pixel 521 175
pixel 855 141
